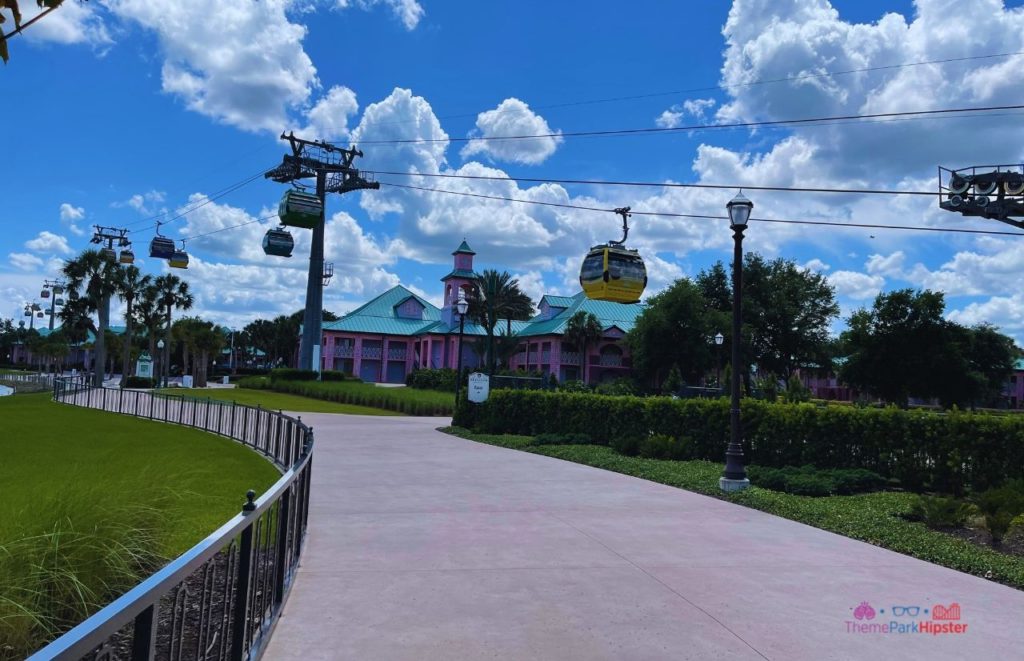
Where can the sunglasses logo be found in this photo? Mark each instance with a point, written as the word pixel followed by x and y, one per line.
pixel 910 611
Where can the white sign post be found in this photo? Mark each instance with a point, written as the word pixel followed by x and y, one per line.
pixel 479 387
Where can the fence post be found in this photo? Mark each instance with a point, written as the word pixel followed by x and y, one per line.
pixel 284 523
pixel 144 636
pixel 244 581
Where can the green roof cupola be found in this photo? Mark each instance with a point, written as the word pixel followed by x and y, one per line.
pixel 462 278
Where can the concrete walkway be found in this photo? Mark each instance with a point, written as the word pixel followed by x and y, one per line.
pixel 424 546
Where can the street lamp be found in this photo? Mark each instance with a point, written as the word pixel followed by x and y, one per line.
pixel 159 362
pixel 734 477
pixel 462 306
pixel 719 339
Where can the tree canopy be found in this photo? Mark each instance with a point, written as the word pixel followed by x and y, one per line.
pixel 903 347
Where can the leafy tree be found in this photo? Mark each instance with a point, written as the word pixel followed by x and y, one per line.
pixel 583 329
pixel 149 315
pixel 93 276
pixel 903 347
pixel 130 285
pixel 498 297
pixel 674 329
pixel 787 312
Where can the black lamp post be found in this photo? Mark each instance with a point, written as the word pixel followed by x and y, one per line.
pixel 734 478
pixel 719 339
pixel 159 363
pixel 462 306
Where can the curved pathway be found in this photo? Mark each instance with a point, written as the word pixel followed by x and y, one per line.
pixel 424 546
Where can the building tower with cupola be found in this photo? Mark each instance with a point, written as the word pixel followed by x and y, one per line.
pixel 463 279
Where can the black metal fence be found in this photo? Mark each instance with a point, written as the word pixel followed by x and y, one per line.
pixel 221 598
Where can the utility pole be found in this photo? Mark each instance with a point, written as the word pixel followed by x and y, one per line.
pixel 331 166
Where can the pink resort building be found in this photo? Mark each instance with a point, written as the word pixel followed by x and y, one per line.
pixel 386 338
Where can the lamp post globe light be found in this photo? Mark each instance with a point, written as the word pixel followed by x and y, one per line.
pixel 159 363
pixel 719 339
pixel 462 306
pixel 734 477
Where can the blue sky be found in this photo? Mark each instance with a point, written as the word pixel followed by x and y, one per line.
pixel 122 109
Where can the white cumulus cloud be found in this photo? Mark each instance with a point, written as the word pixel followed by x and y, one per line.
pixel 48 242
pixel 237 61
pixel 512 117
pixel 24 261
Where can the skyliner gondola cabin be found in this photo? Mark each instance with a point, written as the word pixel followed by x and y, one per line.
pixel 161 247
pixel 612 272
pixel 179 260
pixel 127 256
pixel 300 209
pixel 278 242
pixel 108 254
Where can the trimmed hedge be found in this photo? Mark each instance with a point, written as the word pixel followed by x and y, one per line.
pixel 292 374
pixel 138 382
pixel 403 400
pixel 948 453
pixel 433 379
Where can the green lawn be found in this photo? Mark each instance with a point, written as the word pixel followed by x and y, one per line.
pixel 873 517
pixel 277 401
pixel 94 501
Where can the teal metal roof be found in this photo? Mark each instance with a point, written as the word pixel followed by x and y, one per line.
pixel 558 301
pixel 464 248
pixel 1019 365
pixel 379 316
pixel 461 273
pixel 620 315
pixel 91 337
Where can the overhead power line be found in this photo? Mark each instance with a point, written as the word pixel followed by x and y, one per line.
pixel 206 200
pixel 664 214
pixel 662 130
pixel 653 184
pixel 753 83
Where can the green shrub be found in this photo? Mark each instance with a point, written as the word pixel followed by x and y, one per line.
pixel 1000 506
pixel 796 391
pixel 562 439
pixel 674 380
pixel 616 387
pixel 951 453
pixel 810 481
pixel 255 382
pixel 138 382
pixel 403 400
pixel 336 375
pixel 663 446
pixel 940 511
pixel 433 379
pixel 574 386
pixel 291 374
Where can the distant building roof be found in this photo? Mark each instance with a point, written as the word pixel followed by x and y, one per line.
pixel 464 249
pixel 380 317
pixel 618 315
pixel 461 273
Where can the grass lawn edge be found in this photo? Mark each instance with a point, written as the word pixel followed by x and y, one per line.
pixel 874 518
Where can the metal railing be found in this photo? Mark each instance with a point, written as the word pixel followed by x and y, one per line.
pixel 372 352
pixel 397 354
pixel 28 377
pixel 221 598
pixel 344 351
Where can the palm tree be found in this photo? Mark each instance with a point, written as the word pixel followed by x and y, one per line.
pixel 582 329
pixel 94 276
pixel 209 339
pixel 130 286
pixel 149 315
pixel 498 297
pixel 172 292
